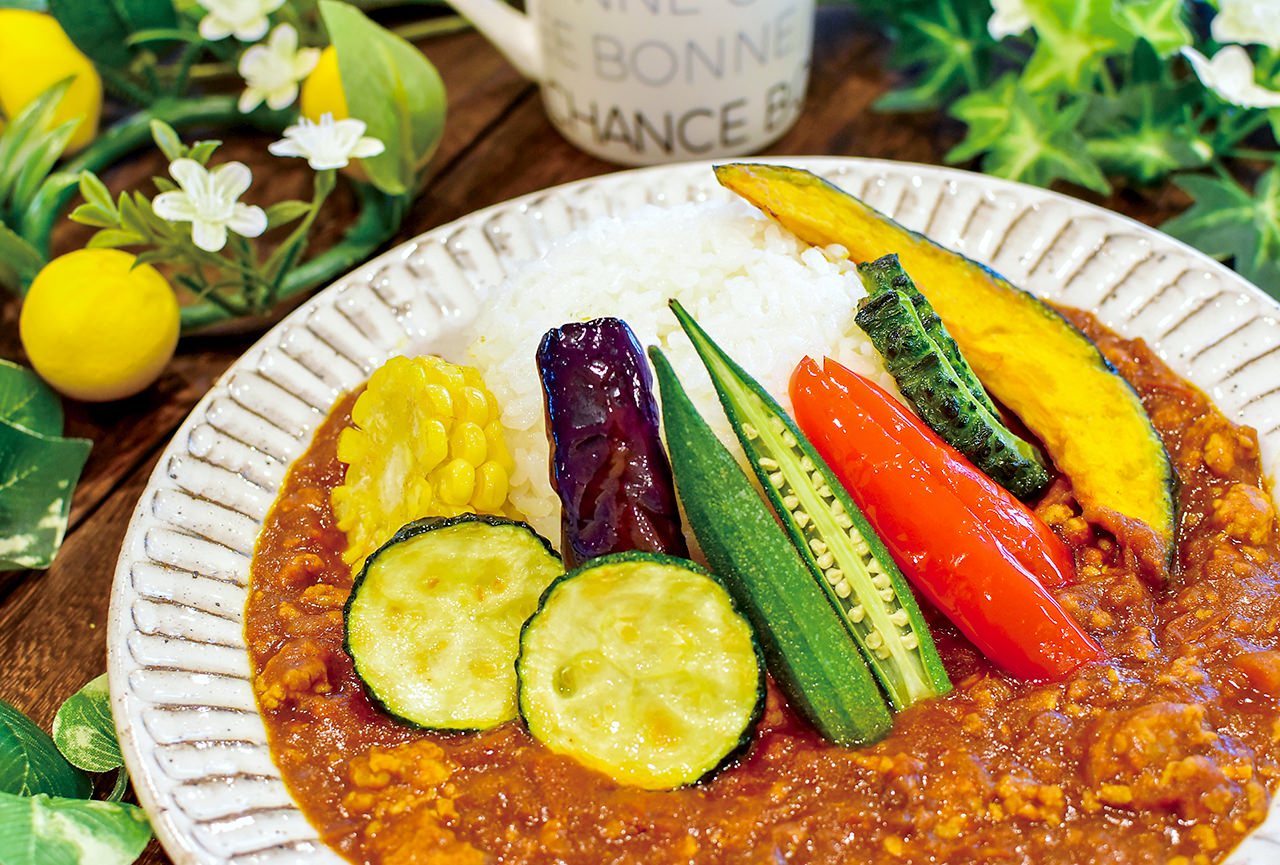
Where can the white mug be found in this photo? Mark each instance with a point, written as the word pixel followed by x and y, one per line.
pixel 639 82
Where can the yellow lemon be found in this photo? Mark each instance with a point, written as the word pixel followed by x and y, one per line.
pixel 322 90
pixel 96 327
pixel 36 54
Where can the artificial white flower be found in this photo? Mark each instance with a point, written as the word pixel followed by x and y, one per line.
pixel 1230 74
pixel 1248 22
pixel 208 201
pixel 327 144
pixel 1009 19
pixel 273 71
pixel 244 19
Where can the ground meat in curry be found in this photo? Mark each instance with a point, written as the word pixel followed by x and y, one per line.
pixel 1164 753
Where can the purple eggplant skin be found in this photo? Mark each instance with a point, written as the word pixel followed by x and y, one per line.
pixel 608 464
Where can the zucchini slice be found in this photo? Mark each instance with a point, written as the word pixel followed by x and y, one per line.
pixel 639 666
pixel 433 620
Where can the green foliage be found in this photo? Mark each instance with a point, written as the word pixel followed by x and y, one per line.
pixel 38 471
pixel 394 89
pixel 46 815
pixel 103 30
pixel 30 763
pixel 1096 93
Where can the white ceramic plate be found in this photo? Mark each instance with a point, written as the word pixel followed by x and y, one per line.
pixel 179 670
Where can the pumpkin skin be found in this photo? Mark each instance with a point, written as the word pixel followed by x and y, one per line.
pixel 1035 362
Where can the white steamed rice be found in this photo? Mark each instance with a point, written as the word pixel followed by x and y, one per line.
pixel 766 298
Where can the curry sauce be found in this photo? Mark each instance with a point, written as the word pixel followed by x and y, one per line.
pixel 1165 752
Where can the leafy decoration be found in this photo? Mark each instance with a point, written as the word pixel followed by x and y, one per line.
pixel 30 763
pixel 40 830
pixel 1097 93
pixel 1230 223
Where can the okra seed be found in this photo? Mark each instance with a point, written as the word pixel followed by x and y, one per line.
pixel 837 507
pixel 899 618
pixel 882 652
pixel 910 641
pixel 818 546
pixel 874 640
pixel 843 521
pixel 857 613
pixel 886 595
pixel 788 439
pixel 790 502
pixel 768 463
pixel 824 491
pixel 802 519
pixel 834 575
pixel 881 581
pixel 776 424
pixel 806 464
pixel 776 479
pixel 752 433
pixel 843 589
pixel 826 560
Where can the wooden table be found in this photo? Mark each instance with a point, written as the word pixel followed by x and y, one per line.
pixel 497 144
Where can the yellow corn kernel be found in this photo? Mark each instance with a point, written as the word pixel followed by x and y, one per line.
pixel 425 441
pixel 457 482
pixel 467 443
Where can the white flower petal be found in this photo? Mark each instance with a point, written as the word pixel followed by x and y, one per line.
pixel 1009 18
pixel 213 28
pixel 367 147
pixel 284 40
pixel 282 96
pixel 305 62
pixel 189 173
pixel 174 206
pixel 285 147
pixel 209 236
pixel 230 180
pixel 251 99
pixel 252 31
pixel 1249 22
pixel 248 220
pixel 1231 75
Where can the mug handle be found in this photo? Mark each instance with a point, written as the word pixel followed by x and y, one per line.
pixel 510 32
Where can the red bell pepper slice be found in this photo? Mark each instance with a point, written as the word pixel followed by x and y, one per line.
pixel 944 543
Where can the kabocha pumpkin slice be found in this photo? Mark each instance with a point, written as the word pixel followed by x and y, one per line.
pixel 1029 357
pixel 425 441
pixel 640 666
pixel 433 621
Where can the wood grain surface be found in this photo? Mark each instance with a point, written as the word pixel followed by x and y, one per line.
pixel 497 144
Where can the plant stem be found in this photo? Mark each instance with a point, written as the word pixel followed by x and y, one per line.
pixel 432 27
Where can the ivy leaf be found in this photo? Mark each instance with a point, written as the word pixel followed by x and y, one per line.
pixel 1145 132
pixel 394 89
pixel 950 52
pixel 26 401
pixel 1162 23
pixel 109 238
pixel 37 476
pixel 39 830
pixel 83 729
pixel 283 212
pixel 1073 39
pixel 1228 223
pixel 30 763
pixel 988 114
pixel 1028 140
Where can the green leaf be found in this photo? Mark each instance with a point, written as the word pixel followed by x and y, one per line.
pixel 202 150
pixel 949 51
pixel 32 5
pixel 286 211
pixel 95 192
pixel 28 129
pixel 1162 23
pixel 109 238
pixel 30 763
pixel 1074 37
pixel 1028 138
pixel 167 140
pixel 37 476
pixel 26 401
pixel 40 830
pixel 19 260
pixel 1141 134
pixel 91 214
pixel 83 729
pixel 1230 224
pixel 394 89
pixel 102 29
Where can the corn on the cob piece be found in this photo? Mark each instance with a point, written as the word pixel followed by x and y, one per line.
pixel 426 441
